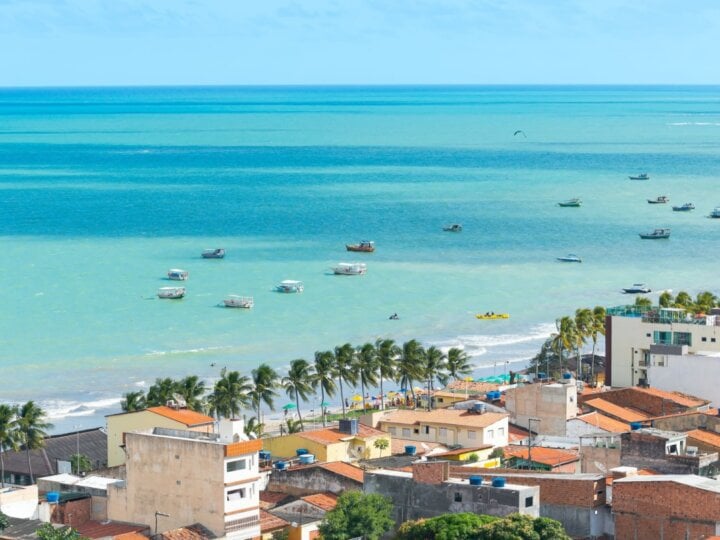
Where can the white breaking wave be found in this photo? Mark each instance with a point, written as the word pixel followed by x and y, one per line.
pixel 476 345
pixel 693 124
pixel 65 409
pixel 185 351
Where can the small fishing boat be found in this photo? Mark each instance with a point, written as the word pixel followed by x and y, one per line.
pixel 662 199
pixel 715 214
pixel 492 316
pixel 235 301
pixel 173 293
pixel 365 246
pixel 642 176
pixel 290 286
pixel 637 288
pixel 350 269
pixel 657 234
pixel 684 208
pixel 570 257
pixel 213 253
pixel 455 227
pixel 177 275
pixel 571 203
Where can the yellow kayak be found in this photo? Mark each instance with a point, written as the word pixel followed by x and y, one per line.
pixel 492 316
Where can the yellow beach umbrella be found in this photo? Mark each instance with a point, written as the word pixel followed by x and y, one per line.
pixel 357 397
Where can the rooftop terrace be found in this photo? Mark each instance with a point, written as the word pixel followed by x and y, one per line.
pixel 663 315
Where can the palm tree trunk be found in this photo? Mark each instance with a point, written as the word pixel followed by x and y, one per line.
pixel 342 396
pixel 592 363
pixel 322 403
pixel 362 391
pixel 382 396
pixel 27 453
pixel 2 468
pixel 297 403
pixel 429 406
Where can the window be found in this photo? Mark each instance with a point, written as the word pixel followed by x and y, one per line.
pixel 236 494
pixel 427 430
pixel 528 502
pixel 712 340
pixel 490 433
pixel 416 431
pixel 662 338
pixel 458 496
pixel 704 339
pixel 238 465
pixel 501 432
pixel 682 338
pixel 648 335
pixel 406 431
pixel 392 430
pixel 443 433
pixel 472 434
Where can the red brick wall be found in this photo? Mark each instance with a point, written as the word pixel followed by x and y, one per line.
pixel 72 513
pixel 430 472
pixel 652 510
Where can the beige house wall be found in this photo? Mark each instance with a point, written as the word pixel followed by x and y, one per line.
pixel 137 421
pixel 467 436
pixel 354 449
pixel 554 404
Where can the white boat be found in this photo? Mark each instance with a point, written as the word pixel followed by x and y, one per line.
pixel 637 288
pixel 455 227
pixel 657 234
pixel 171 292
pixel 684 208
pixel 662 199
pixel 290 286
pixel 236 301
pixel 350 269
pixel 177 275
pixel 715 213
pixel 570 258
pixel 213 253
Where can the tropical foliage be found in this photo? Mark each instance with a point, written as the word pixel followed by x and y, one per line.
pixel 30 425
pixel 9 439
pixel 48 532
pixel 358 515
pixel 3 522
pixel 80 463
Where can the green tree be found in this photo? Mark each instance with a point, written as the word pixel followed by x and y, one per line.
pixel 358 515
pixel 666 299
pixel 546 360
pixel 161 392
pixel 643 302
pixel 597 327
pixel 564 339
pixel 230 395
pixel 381 444
pixel 366 360
pixel 192 390
pixel 433 367
pixel 523 527
pixel 298 383
pixel 344 369
pixel 387 353
pixel 473 458
pixel 293 426
pixel 704 302
pixel 133 401
pixel 31 427
pixel 461 526
pixel 48 532
pixel 8 435
pixel 3 522
pixel 497 453
pixel 254 429
pixel 409 365
pixel 264 380
pixel 457 365
pixel 80 463
pixel 683 300
pixel 583 323
pixel 324 368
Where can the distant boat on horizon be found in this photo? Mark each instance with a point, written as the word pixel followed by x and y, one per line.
pixel 656 234
pixel 641 176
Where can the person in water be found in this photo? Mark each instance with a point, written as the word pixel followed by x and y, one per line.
pixel 394 317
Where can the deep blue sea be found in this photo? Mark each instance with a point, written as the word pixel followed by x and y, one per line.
pixel 103 190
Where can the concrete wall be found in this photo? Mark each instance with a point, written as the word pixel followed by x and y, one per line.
pixel 413 500
pixel 309 480
pixel 495 433
pixel 690 374
pixel 553 404
pixel 118 424
pixel 599 459
pixel 688 422
pixel 645 451
pixel 19 502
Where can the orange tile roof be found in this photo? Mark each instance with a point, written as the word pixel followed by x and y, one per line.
pixel 540 454
pixel 516 433
pixel 446 417
pixel 184 416
pixel 97 529
pixel 334 435
pixel 603 422
pixel 129 536
pixel 243 447
pixel 344 469
pixel 676 397
pixel 326 501
pixel 191 532
pixel 270 523
pixel 706 437
pixel 269 499
pixel 623 413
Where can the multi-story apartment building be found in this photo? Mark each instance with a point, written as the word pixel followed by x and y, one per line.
pixel 177 478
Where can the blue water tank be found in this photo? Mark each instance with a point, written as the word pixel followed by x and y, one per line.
pixel 476 480
pixel 635 425
pixel 567 375
pixel 280 465
pixel 498 482
pixel 307 459
pixel 479 408
pixel 301 451
pixel 264 455
pixel 52 496
pixel 349 426
pixel 410 450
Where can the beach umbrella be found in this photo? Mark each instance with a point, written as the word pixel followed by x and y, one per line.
pixel 325 404
pixel 357 397
pixel 289 406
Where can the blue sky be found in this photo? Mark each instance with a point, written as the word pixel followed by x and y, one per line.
pixel 148 42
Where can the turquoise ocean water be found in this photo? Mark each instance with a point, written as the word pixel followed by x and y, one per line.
pixel 103 190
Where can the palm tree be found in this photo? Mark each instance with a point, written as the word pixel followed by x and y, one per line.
pixel 583 322
pixel 666 299
pixel 8 435
pixel 409 365
pixel 366 359
pixel 564 338
pixel 433 368
pixel 264 381
pixel 31 428
pixel 457 364
pixel 705 301
pixel 343 369
pixel 161 392
pixel 133 401
pixel 192 389
pixel 230 395
pixel 683 299
pixel 253 428
pixel 298 384
pixel 387 354
pixel 293 426
pixel 80 463
pixel 644 302
pixel 324 369
pixel 597 326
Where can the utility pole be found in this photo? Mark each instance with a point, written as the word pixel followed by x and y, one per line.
pixel 530 443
